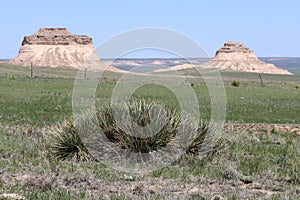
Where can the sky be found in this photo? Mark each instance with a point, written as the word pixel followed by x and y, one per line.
pixel 269 27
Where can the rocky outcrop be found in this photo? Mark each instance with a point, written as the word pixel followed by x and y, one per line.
pixel 55 47
pixel 234 56
pixel 234 51
pixel 56 36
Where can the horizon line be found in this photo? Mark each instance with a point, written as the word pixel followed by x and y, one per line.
pixel 165 58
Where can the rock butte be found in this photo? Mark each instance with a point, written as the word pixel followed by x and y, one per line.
pixel 57 47
pixel 234 56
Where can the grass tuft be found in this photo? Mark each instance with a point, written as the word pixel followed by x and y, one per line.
pixel 67 144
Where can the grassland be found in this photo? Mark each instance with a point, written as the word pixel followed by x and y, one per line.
pixel 47 98
pixel 249 166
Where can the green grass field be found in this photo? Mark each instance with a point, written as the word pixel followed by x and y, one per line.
pixel 250 165
pixel 47 98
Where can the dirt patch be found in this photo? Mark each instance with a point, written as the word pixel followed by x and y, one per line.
pixel 264 128
pixel 231 127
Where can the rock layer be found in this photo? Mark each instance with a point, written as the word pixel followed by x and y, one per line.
pixel 55 47
pixel 234 56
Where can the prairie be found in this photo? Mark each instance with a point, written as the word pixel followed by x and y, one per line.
pixel 250 165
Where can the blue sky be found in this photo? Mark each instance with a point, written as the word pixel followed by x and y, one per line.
pixel 270 28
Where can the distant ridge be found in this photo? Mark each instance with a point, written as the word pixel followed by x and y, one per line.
pixel 5 60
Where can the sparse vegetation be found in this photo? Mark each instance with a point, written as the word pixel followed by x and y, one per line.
pixel 27 170
pixel 251 165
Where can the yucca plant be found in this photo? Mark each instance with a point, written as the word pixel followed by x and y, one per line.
pixel 137 137
pixel 198 139
pixel 140 126
pixel 67 145
pixel 207 141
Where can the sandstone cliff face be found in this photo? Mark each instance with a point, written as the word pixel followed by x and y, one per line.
pixel 55 47
pixel 234 56
pixel 234 51
pixel 56 36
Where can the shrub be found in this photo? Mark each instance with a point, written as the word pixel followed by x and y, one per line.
pixel 67 145
pixel 235 83
pixel 297 86
pixel 205 144
pixel 130 136
pixel 11 77
pixel 135 138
